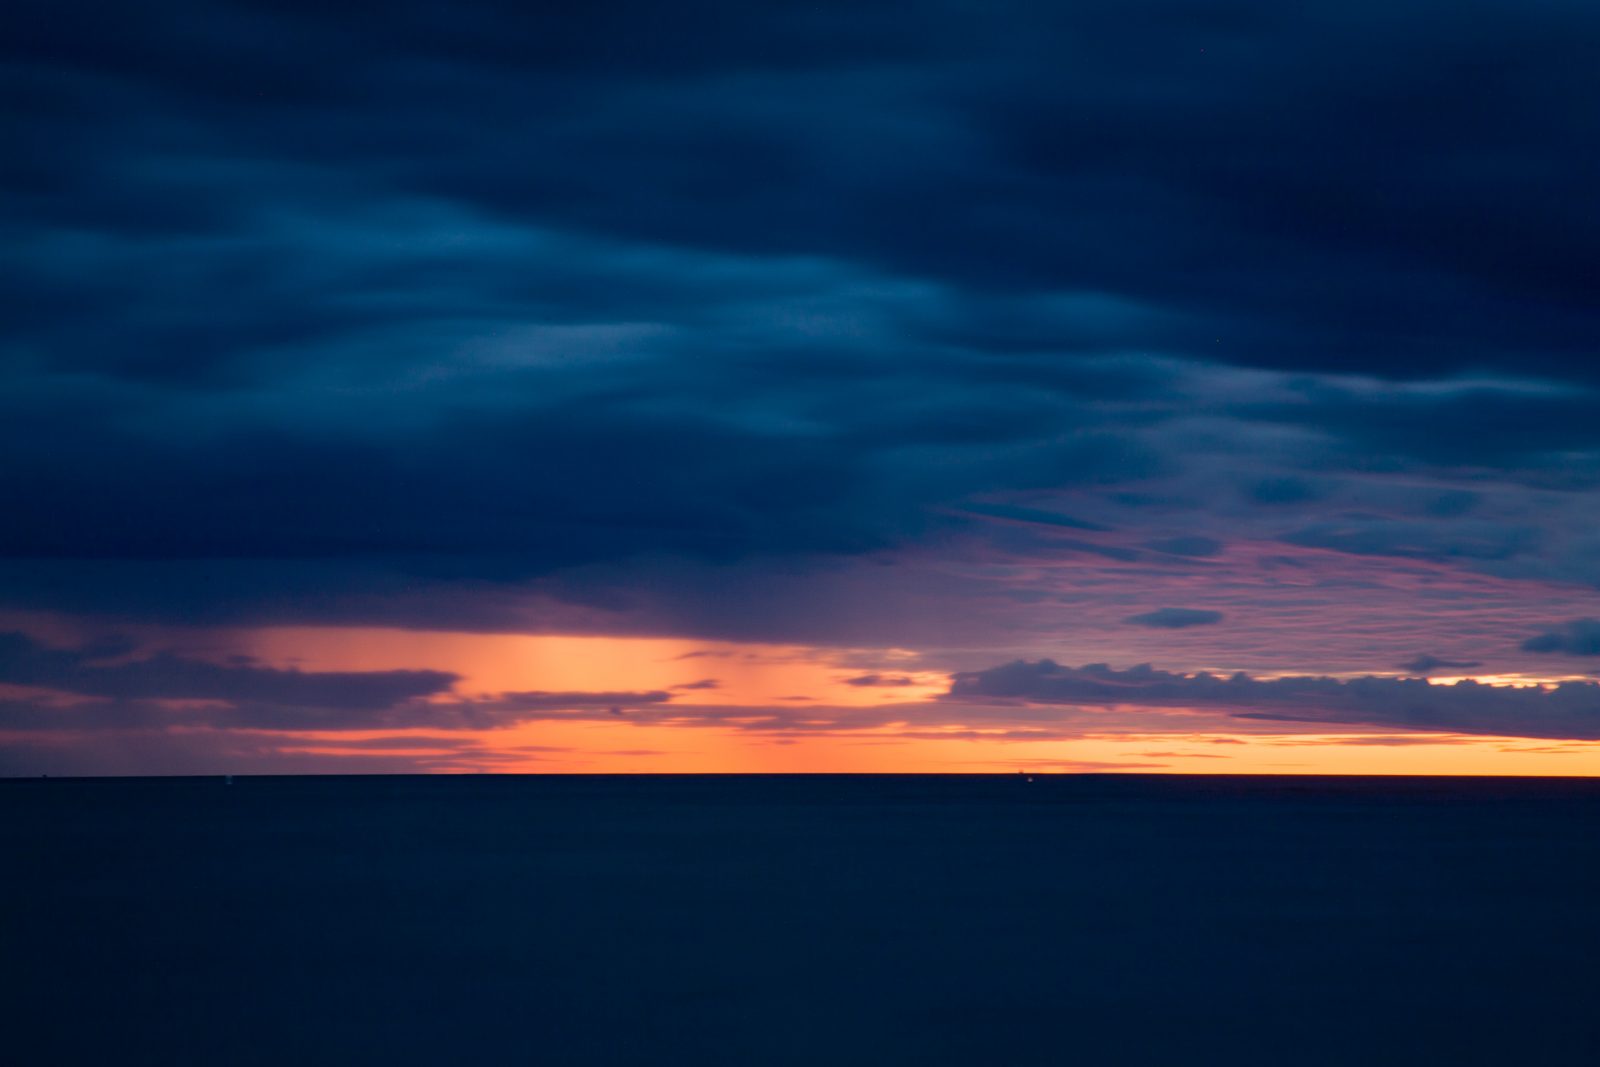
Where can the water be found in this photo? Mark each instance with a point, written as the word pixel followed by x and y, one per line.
pixel 981 920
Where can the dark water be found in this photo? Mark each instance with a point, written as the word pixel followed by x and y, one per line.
pixel 801 920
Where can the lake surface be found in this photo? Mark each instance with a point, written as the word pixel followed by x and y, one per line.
pixel 987 920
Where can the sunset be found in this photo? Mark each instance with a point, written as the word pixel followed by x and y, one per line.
pixel 887 532
pixel 548 703
pixel 909 350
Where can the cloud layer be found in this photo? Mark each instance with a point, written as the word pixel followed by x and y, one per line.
pixel 1570 710
pixel 409 314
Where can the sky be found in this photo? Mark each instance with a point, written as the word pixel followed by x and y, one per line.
pixel 1109 386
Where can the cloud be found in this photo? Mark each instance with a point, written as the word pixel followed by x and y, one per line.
pixel 1579 637
pixel 1284 491
pixel 871 680
pixel 1425 663
pixel 1017 513
pixel 104 687
pixel 1175 618
pixel 542 701
pixel 158 715
pixel 1570 710
pixel 163 676
pixel 1384 536
pixel 1199 547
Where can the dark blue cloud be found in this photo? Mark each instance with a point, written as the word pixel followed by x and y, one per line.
pixel 1570 710
pixel 1376 535
pixel 108 672
pixel 1580 637
pixel 311 311
pixel 1192 545
pixel 1426 663
pixel 536 701
pixel 1419 211
pixel 112 688
pixel 1283 491
pixel 1175 618
pixel 874 680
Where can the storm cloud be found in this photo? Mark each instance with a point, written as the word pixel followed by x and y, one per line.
pixel 534 292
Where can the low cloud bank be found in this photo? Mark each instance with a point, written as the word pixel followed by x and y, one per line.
pixel 1570 710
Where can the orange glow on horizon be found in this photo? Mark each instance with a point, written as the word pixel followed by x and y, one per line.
pixel 760 675
pixel 746 674
pixel 765 708
pixel 605 747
